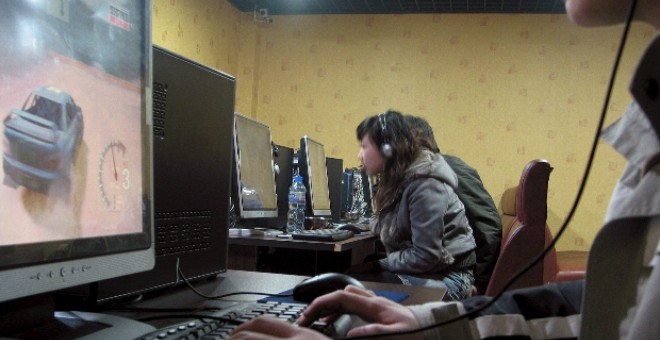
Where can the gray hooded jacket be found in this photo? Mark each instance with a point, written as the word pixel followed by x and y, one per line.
pixel 424 227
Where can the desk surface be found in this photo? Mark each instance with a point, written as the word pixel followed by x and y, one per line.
pixel 246 281
pixel 232 281
pixel 277 242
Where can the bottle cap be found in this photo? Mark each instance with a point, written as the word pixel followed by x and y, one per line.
pixel 297 179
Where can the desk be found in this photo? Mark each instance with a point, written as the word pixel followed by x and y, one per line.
pixel 173 305
pixel 244 281
pixel 250 253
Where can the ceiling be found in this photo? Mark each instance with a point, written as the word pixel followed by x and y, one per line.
pixel 301 7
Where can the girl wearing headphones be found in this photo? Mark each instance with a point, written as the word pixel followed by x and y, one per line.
pixel 420 219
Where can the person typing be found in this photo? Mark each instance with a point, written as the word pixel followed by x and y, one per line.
pixel 628 310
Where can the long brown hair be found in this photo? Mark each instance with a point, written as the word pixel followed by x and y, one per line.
pixel 391 128
pixel 422 133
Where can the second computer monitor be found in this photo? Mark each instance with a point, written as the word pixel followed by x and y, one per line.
pixel 254 180
pixel 312 167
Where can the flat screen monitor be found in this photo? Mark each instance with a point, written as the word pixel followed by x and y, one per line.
pixel 312 167
pixel 254 176
pixel 356 195
pixel 283 157
pixel 76 193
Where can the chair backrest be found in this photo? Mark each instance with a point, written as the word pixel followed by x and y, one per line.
pixel 524 230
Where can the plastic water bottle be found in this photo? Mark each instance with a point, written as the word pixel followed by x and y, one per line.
pixel 296 216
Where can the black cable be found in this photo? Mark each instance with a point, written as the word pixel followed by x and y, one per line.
pixel 190 313
pixel 590 159
pixel 217 297
pixel 569 217
pixel 187 311
pixel 592 152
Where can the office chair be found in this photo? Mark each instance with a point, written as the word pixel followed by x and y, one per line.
pixel 565 265
pixel 525 232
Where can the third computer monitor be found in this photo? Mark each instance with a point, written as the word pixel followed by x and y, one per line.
pixel 312 167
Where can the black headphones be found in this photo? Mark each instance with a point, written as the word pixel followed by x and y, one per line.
pixel 385 148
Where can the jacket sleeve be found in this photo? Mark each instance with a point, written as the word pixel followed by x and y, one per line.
pixel 433 313
pixel 516 314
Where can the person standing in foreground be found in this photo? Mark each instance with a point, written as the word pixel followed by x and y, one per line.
pixel 622 287
pixel 418 216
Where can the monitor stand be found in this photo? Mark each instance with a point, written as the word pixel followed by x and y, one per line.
pixel 35 317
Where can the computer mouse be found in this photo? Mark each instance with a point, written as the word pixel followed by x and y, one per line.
pixel 310 289
pixel 352 228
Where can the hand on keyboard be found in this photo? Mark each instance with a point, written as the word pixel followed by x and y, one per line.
pixel 384 315
pixel 280 315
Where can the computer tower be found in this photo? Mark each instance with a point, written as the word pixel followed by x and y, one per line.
pixel 335 173
pixel 284 159
pixel 193 113
pixel 193 136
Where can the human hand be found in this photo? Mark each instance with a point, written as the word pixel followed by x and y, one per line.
pixel 383 315
pixel 268 327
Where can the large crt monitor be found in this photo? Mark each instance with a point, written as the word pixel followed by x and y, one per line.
pixel 254 176
pixel 312 167
pixel 75 198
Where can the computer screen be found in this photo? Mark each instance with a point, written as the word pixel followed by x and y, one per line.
pixel 356 202
pixel 254 176
pixel 283 158
pixel 367 205
pixel 312 167
pixel 76 193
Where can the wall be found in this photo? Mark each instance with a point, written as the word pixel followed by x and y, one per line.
pixel 498 89
pixel 205 31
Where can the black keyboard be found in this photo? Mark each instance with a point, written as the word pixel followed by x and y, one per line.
pixel 219 325
pixel 362 226
pixel 324 235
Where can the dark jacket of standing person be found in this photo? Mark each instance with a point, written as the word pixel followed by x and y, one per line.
pixel 480 210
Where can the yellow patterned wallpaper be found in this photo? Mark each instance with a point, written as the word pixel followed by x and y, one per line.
pixel 205 31
pixel 498 89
